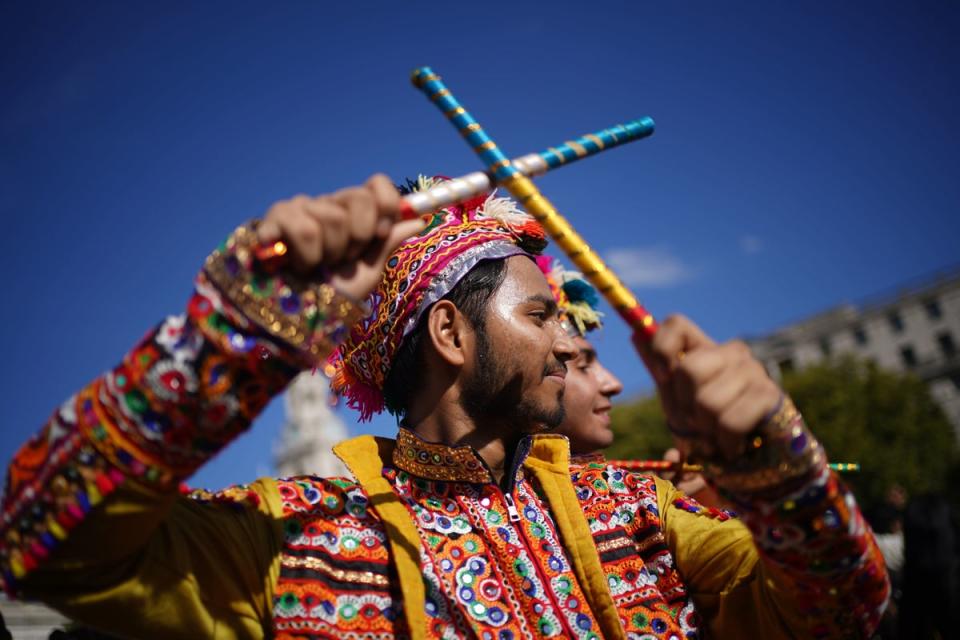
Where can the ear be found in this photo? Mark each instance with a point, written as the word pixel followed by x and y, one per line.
pixel 450 334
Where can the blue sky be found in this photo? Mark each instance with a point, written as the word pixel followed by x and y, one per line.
pixel 805 154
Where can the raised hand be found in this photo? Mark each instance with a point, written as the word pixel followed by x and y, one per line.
pixel 713 394
pixel 349 233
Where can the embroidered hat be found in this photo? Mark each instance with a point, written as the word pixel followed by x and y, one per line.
pixel 422 270
pixel 576 297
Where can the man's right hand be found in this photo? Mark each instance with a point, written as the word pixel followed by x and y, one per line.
pixel 350 233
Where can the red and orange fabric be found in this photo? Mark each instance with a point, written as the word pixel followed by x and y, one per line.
pixel 422 543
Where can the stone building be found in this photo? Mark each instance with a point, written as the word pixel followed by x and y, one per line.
pixel 29 620
pixel 915 329
pixel 311 431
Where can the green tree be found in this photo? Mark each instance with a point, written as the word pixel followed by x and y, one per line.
pixel 640 429
pixel 888 422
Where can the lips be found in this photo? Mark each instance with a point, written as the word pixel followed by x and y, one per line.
pixel 603 413
pixel 560 375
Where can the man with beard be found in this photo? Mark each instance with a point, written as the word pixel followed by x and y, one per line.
pixel 470 523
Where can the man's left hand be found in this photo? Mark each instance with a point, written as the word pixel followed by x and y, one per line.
pixel 713 394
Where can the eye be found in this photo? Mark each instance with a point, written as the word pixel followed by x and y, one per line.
pixel 539 316
pixel 579 364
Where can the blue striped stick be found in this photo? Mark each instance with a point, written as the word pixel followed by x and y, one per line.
pixel 457 190
pixel 523 189
pixel 465 187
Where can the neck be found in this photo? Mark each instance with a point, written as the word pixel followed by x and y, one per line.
pixel 449 424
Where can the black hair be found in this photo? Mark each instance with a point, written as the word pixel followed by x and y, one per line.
pixel 470 296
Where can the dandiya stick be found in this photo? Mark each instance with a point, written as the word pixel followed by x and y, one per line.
pixel 457 190
pixel 684 467
pixel 534 164
pixel 523 189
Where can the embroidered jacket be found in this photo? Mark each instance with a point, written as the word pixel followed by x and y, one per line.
pixel 421 544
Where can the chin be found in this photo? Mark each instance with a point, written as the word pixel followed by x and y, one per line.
pixel 604 438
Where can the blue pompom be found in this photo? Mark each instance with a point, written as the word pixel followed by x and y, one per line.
pixel 581 291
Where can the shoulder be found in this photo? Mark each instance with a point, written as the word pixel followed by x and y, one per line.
pixel 599 483
pixel 606 478
pixel 331 497
pixel 332 515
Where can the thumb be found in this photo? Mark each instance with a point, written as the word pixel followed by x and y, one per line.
pixel 400 232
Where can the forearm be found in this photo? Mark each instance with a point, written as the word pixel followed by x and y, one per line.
pixel 810 534
pixel 190 386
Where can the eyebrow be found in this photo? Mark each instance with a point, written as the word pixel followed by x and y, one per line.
pixel 547 301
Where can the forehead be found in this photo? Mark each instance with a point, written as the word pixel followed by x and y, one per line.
pixel 523 280
pixel 582 343
pixel 585 350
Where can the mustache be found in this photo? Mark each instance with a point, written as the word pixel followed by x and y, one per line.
pixel 555 368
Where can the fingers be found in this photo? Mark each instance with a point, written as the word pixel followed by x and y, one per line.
pixel 716 393
pixel 372 211
pixel 706 381
pixel 334 230
pixel 358 279
pixel 290 221
pixel 387 201
pixel 676 337
pixel 755 402
pixel 357 226
pixel 689 483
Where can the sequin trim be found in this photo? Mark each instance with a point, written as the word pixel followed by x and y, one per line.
pixel 187 389
pixel 309 316
pixel 437 461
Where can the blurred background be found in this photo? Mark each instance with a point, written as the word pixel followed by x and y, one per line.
pixel 800 190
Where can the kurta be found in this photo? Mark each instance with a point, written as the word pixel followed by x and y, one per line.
pixel 421 543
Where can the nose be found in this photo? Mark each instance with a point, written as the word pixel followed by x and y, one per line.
pixel 564 348
pixel 610 384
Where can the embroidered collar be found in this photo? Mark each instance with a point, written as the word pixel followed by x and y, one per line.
pixel 433 461
pixel 587 458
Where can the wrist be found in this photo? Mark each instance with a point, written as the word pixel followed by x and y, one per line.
pixel 779 452
pixel 308 315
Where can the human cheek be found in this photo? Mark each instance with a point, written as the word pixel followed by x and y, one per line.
pixel 578 393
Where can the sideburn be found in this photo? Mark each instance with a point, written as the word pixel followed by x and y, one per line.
pixel 492 395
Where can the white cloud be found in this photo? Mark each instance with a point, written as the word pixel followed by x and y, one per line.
pixel 649 267
pixel 751 244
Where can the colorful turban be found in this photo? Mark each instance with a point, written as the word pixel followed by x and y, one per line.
pixel 420 272
pixel 576 298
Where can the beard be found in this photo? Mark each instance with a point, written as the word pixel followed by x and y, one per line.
pixel 494 394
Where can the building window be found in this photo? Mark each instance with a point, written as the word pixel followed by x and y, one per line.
pixel 896 321
pixel 908 356
pixel 947 346
pixel 860 336
pixel 932 307
pixel 825 346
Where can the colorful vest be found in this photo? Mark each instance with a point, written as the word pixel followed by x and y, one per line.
pixel 490 562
